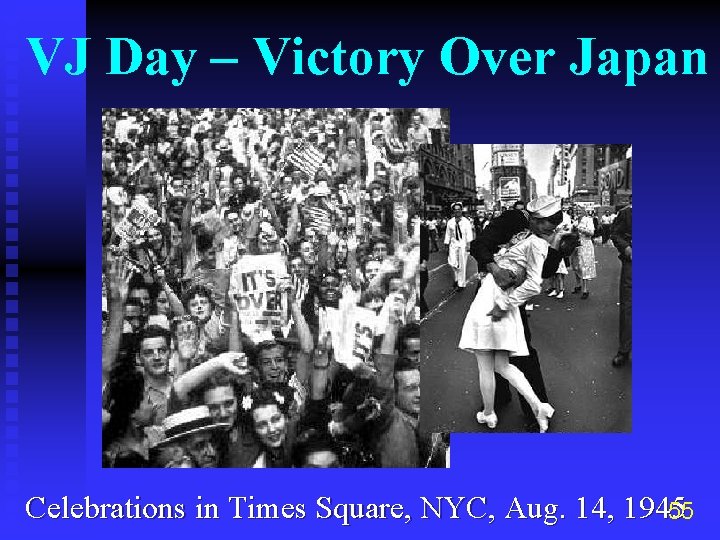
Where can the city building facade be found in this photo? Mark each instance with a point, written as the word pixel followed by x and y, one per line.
pixel 448 174
pixel 603 174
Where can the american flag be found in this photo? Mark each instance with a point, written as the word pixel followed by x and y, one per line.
pixel 307 158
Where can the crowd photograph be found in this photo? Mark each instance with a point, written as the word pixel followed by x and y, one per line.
pixel 260 288
pixel 526 284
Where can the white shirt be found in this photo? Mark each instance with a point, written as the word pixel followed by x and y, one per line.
pixel 530 254
pixel 466 234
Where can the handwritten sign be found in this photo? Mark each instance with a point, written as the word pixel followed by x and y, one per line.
pixel 253 282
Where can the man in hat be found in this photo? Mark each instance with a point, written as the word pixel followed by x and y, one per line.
pixel 502 230
pixel 193 430
pixel 458 236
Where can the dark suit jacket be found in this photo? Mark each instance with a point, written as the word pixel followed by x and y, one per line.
pixel 621 232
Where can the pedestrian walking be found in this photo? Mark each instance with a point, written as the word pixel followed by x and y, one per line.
pixel 458 236
pixel 584 257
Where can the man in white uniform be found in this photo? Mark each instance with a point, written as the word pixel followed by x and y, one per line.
pixel 458 235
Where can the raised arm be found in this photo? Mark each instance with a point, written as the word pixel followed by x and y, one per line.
pixel 118 287
pixel 176 307
pixel 233 362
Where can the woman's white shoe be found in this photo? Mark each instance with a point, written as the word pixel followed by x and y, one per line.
pixel 544 414
pixel 490 420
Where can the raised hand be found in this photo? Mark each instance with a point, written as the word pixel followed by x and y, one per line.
pixel 119 276
pixel 234 362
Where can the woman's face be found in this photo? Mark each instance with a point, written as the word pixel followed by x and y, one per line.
pixel 270 425
pixel 541 226
pixel 200 307
pixel 162 305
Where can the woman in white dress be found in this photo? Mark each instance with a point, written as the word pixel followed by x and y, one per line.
pixel 558 280
pixel 583 260
pixel 493 329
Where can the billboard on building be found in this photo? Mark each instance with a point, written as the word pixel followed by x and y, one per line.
pixel 506 159
pixel 509 188
pixel 614 183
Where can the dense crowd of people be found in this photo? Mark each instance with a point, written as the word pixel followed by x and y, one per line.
pixel 260 306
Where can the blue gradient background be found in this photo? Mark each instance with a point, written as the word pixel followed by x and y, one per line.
pixel 672 123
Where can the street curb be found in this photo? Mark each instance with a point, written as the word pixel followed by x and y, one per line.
pixel 449 297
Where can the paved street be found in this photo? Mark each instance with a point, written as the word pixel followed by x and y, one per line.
pixel 575 339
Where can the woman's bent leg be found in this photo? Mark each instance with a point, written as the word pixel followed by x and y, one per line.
pixel 543 411
pixel 516 378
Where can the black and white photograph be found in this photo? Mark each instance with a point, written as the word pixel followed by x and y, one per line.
pixel 260 299
pixel 526 288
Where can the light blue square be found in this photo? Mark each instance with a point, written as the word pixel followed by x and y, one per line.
pixel 11 270
pixel 11 397
pixel 11 414
pixel 11 180
pixel 12 343
pixel 11 144
pixel 11 378
pixel 11 235
pixel 11 325
pixel 11 253
pixel 11 288
pixel 11 306
pixel 11 360
pixel 12 163
pixel 12 198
